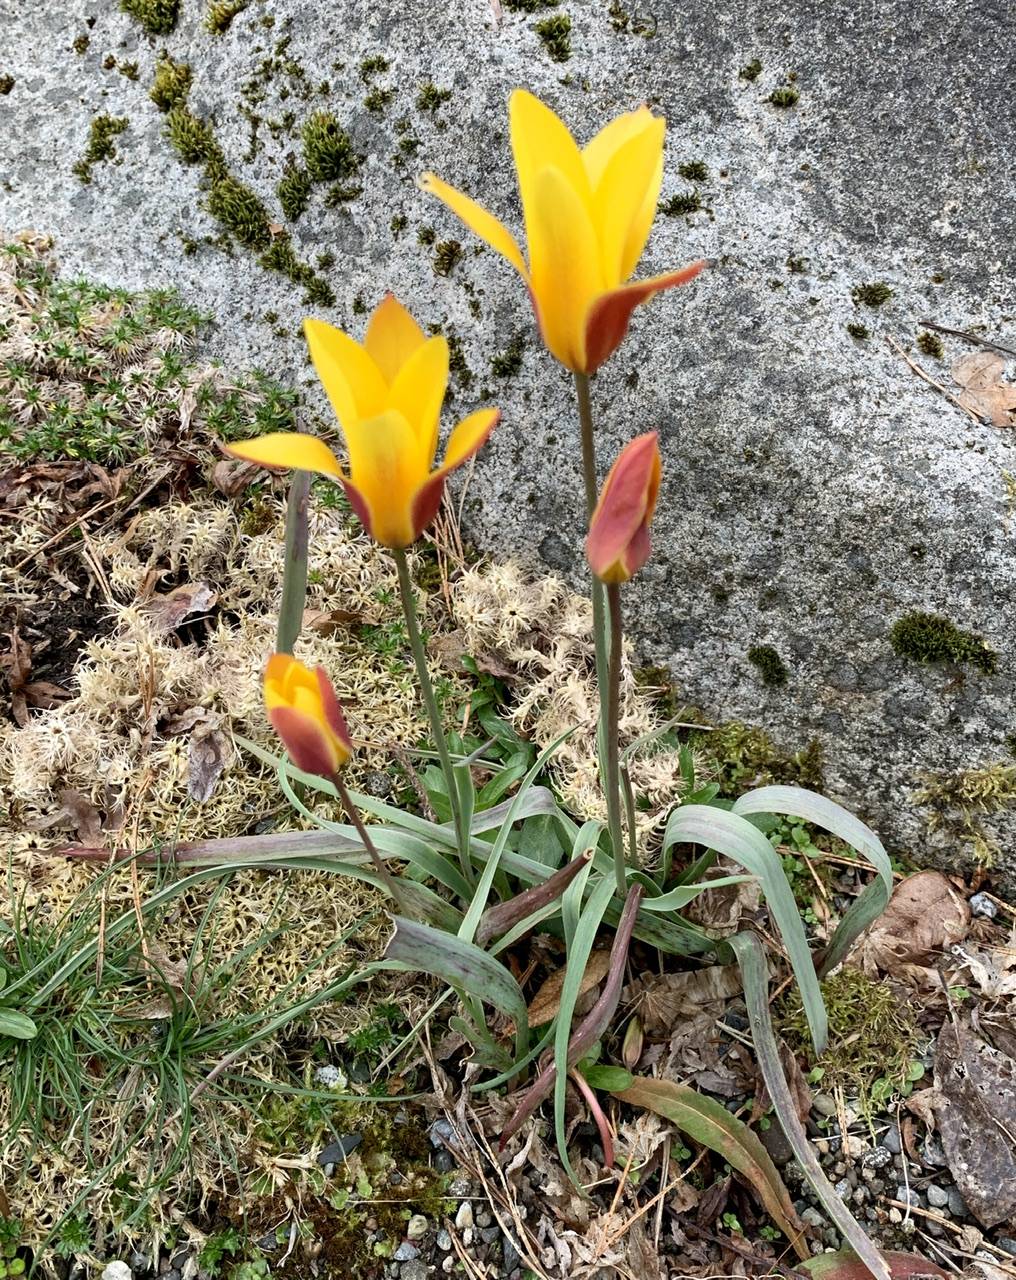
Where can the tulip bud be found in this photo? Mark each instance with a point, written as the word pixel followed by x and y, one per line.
pixel 618 542
pixel 306 715
pixel 631 1049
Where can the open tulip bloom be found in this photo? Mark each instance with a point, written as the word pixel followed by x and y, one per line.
pixel 587 214
pixel 618 542
pixel 387 394
pixel 306 714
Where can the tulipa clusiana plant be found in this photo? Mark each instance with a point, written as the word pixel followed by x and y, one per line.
pixel 505 866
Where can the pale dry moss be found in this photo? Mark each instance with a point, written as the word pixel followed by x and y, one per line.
pixel 541 628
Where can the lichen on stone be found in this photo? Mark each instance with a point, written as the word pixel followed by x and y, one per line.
pixel 751 70
pixel 784 96
pixel 682 204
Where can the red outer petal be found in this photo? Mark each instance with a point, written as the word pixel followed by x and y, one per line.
pixel 427 499
pixel 332 709
pixel 309 747
pixel 608 318
pixel 618 540
pixel 358 503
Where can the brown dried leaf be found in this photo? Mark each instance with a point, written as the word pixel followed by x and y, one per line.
pixel 77 812
pixel 665 999
pixel 720 910
pixel 231 476
pixel 925 916
pixel 44 694
pixel 984 389
pixel 170 610
pixel 976 1113
pixel 547 1000
pixel 207 757
pixel 327 621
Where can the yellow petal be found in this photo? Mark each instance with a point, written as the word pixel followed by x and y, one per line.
pixel 348 373
pixel 387 468
pixel 638 232
pixel 418 393
pixel 541 140
pixel 477 219
pixel 468 436
pixel 620 198
pixel 288 449
pixel 566 272
pixel 392 337
pixel 597 153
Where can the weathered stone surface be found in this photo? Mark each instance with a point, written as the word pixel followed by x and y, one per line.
pixel 815 489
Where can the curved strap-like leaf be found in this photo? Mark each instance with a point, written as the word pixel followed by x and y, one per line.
pixel 755 979
pixel 798 802
pixel 730 834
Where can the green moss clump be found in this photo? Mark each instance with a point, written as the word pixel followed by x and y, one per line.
pixel 926 637
pixel 158 17
pixel 446 255
pixel 529 6
pixel 858 330
pixel 80 44
pixel 426 235
pixel 430 97
pixel 931 344
pixel 327 150
pixel 342 193
pixel 786 95
pixel 101 132
pixel 740 757
pixel 373 66
pixel 398 224
pixel 221 13
pixel 874 1037
pixel 239 211
pixel 281 257
pixel 771 666
pixel 694 170
pixel 797 265
pixel 193 140
pixel 171 84
pixel 378 99
pixel 684 203
pixel 555 35
pixel 871 295
pixel 960 800
pixel 508 362
pixel 294 192
pixel 751 70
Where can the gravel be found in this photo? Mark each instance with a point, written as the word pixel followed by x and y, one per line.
pixel 938 1197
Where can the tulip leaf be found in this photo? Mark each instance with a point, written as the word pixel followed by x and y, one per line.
pixel 711 1124
pixel 462 965
pixel 867 906
pixel 844 1264
pixel 755 978
pixel 19 1026
pixel 732 834
pixel 294 580
pixel 612 1079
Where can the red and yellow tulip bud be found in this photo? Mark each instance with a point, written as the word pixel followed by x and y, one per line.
pixel 305 713
pixel 387 394
pixel 587 213
pixel 618 542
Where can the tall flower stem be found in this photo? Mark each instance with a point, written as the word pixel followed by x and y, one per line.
pixel 430 704
pixel 613 768
pixel 353 814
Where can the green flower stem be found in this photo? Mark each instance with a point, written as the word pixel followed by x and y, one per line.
pixel 353 814
pixel 613 771
pixel 430 703
pixel 294 580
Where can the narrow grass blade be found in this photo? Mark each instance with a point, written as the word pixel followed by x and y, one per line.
pixel 294 581
pixel 754 976
pixel 832 817
pixel 731 834
pixel 460 964
pixel 586 840
pixel 711 1124
pixel 683 894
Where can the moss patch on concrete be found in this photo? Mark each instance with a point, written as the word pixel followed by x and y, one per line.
pixel 929 638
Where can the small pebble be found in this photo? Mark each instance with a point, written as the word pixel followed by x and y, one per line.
pixel 982 905
pixel 117 1271
pixel 933 1154
pixel 489 1234
pixel 443 1240
pixel 406 1252
pixel 330 1077
pixel 1007 1243
pixel 417 1227
pixel 894 1216
pixel 842 1188
pixel 957 1205
pixel 907 1195
pixel 824 1104
pixel 464 1217
pixel 414 1271
pixel 337 1151
pixel 938 1197
pixel 891 1140
pixel 448 1264
pixel 440 1133
pixel 461 1186
pixel 483 1218
pixel 467 1237
pixel 813 1217
pixel 444 1162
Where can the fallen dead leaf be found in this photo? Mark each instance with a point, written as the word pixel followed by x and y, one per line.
pixel 662 1000
pixel 976 1113
pixel 170 610
pixel 547 1000
pixel 327 621
pixel 231 476
pixel 77 812
pixel 925 916
pixel 207 756
pixel 984 389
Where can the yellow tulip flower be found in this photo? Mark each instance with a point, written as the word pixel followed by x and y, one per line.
pixel 587 214
pixel 306 714
pixel 387 394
